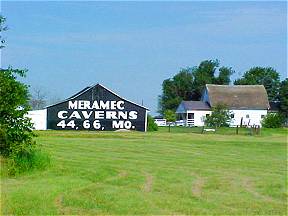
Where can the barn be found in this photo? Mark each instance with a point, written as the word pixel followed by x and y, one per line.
pixel 248 104
pixel 93 108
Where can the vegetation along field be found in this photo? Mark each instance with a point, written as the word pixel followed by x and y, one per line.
pixel 153 173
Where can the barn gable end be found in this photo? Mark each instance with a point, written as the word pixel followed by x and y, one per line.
pixel 96 108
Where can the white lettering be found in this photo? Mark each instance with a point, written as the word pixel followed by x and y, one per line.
pixel 119 124
pixel 133 115
pixel 120 105
pixel 86 114
pixel 111 115
pixel 61 114
pixel 99 114
pixel 72 105
pixel 75 114
pixel 122 115
pixel 104 105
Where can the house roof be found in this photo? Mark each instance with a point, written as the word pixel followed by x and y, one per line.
pixel 192 105
pixel 90 87
pixel 238 96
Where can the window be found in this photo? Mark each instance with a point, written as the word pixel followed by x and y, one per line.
pixel 262 116
pixel 247 116
pixel 207 115
pixel 232 115
pixel 190 115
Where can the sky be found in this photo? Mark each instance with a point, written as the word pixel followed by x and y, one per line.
pixel 131 47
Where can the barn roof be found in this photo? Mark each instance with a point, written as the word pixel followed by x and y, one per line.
pixel 238 96
pixel 192 105
pixel 91 87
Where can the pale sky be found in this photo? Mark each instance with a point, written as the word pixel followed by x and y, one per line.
pixel 131 47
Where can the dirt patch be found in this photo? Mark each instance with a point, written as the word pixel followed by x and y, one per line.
pixel 197 186
pixel 122 174
pixel 249 186
pixel 148 183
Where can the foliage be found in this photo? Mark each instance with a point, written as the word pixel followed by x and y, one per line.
pixel 152 126
pixel 283 96
pixel 170 116
pixel 27 161
pixel 16 128
pixel 189 83
pixel 266 76
pixel 273 120
pixel 220 116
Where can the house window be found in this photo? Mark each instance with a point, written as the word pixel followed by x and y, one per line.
pixel 190 115
pixel 207 115
pixel 247 116
pixel 262 116
pixel 232 115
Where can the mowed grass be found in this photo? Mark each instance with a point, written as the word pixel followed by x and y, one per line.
pixel 154 173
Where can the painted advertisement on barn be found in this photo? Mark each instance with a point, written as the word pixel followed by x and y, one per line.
pixel 96 108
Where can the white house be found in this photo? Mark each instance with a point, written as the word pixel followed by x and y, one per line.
pixel 248 104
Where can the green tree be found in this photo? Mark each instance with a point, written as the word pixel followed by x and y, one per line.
pixel 16 136
pixel 170 117
pixel 189 83
pixel 283 97
pixel 152 126
pixel 266 76
pixel 220 116
pixel 273 120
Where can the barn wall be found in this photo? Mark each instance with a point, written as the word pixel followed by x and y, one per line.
pixel 38 118
pixel 254 117
pixel 97 93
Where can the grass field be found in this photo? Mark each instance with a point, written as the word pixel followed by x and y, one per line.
pixel 153 173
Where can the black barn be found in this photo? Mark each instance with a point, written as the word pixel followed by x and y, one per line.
pixel 96 108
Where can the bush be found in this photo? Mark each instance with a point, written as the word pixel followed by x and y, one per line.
pixel 152 126
pixel 27 161
pixel 273 120
pixel 220 116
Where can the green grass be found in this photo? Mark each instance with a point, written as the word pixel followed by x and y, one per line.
pixel 182 172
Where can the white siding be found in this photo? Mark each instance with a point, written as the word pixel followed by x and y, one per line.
pixel 253 117
pixel 199 116
pixel 38 118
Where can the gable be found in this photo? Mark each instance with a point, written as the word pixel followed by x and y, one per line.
pixel 96 108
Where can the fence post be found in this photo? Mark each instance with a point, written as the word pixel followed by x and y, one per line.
pixel 237 129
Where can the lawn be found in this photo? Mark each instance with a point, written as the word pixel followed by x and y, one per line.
pixel 182 172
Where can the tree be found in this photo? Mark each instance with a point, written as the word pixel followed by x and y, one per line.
pixel 220 116
pixel 272 120
pixel 283 97
pixel 38 99
pixel 14 105
pixel 170 117
pixel 266 76
pixel 152 126
pixel 16 136
pixel 189 83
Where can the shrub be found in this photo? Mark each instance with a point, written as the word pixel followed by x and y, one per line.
pixel 220 116
pixel 27 161
pixel 152 126
pixel 273 120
